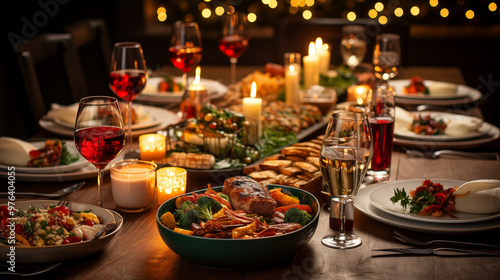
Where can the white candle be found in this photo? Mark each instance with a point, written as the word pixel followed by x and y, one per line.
pixel 133 185
pixel 252 109
pixel 292 85
pixel 324 56
pixel 311 68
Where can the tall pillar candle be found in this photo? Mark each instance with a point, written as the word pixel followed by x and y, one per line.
pixel 323 53
pixel 311 67
pixel 292 86
pixel 252 110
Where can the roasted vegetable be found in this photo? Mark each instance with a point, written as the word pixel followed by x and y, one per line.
pixel 206 207
pixel 283 199
pixel 295 215
pixel 191 160
pixel 185 219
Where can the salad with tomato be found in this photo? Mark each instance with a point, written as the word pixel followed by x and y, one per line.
pixel 53 225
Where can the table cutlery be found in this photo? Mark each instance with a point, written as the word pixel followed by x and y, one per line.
pixel 106 228
pixel 405 239
pixel 430 251
pixel 30 271
pixel 57 194
pixel 438 154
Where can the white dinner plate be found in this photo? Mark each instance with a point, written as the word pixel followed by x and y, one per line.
pixel 447 117
pixel 166 117
pixel 80 163
pixel 380 198
pixel 63 252
pixel 363 204
pixel 151 94
pixel 463 94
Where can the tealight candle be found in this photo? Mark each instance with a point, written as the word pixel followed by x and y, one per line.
pixel 357 93
pixel 133 185
pixel 152 147
pixel 196 98
pixel 322 51
pixel 171 183
pixel 252 110
pixel 311 68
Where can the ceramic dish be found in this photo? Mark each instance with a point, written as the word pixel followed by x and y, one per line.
pixel 64 252
pixel 240 253
pixel 363 204
pixel 80 163
pixel 380 198
pixel 151 93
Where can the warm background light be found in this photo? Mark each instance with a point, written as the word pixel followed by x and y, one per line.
pixel 433 3
pixel 415 10
pixel 383 20
pixel 492 6
pixel 219 10
pixel 444 12
pixel 379 7
pixel 251 17
pixel 372 13
pixel 307 14
pixel 206 13
pixel 469 14
pixel 398 12
pixel 351 16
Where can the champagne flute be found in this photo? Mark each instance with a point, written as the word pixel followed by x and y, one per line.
pixel 99 133
pixel 345 154
pixel 387 56
pixel 185 53
pixel 128 77
pixel 234 39
pixel 353 45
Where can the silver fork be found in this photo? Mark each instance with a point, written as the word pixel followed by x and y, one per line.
pixel 63 202
pixel 30 271
pixel 438 154
pixel 405 239
pixel 429 251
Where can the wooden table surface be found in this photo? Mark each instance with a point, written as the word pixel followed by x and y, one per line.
pixel 138 252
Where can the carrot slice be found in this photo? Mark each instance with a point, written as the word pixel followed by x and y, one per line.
pixel 304 207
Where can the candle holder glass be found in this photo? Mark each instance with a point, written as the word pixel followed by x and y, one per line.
pixel 172 182
pixel 152 147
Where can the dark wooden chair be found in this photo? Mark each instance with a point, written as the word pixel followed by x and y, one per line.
pixel 51 72
pixel 92 42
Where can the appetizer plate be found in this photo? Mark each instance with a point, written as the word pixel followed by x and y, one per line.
pixel 380 198
pixel 448 117
pixel 240 253
pixel 80 163
pixel 151 93
pixel 363 204
pixel 64 252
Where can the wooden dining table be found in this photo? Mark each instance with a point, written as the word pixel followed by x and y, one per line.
pixel 138 251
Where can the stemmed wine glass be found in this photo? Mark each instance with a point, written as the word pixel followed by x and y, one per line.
pixel 353 45
pixel 185 51
pixel 345 154
pixel 128 76
pixel 387 56
pixel 99 133
pixel 234 40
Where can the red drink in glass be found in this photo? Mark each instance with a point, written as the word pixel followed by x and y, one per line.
pixel 233 46
pixel 185 58
pixel 127 84
pixel 382 130
pixel 99 145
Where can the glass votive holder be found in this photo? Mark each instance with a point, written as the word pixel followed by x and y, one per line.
pixel 324 98
pixel 171 183
pixel 153 147
pixel 133 185
pixel 358 93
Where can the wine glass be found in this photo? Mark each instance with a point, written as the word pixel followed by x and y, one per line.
pixel 99 133
pixel 185 52
pixel 353 45
pixel 386 56
pixel 234 40
pixel 345 154
pixel 128 76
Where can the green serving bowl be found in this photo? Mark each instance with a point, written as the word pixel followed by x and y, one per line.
pixel 240 253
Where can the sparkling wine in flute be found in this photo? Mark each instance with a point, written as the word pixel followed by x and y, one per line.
pixel 185 58
pixel 99 145
pixel 382 130
pixel 127 83
pixel 233 46
pixel 343 172
pixel 353 51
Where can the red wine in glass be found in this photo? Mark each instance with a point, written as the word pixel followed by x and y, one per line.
pixel 382 130
pixel 185 58
pixel 127 83
pixel 99 145
pixel 233 46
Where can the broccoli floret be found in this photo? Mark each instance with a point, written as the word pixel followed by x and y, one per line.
pixel 206 207
pixel 187 218
pixel 295 215
pixel 186 205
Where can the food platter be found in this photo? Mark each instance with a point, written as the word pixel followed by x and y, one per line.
pixel 380 198
pixel 64 252
pixel 363 204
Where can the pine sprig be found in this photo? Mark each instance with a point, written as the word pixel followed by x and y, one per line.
pixel 400 195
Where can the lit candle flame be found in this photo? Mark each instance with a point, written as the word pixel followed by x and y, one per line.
pixel 197 77
pixel 319 43
pixel 312 48
pixel 326 47
pixel 253 90
pixel 291 68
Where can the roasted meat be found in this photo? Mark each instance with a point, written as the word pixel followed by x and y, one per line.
pixel 249 195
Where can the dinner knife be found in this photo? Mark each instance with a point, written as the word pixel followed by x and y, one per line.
pixel 57 194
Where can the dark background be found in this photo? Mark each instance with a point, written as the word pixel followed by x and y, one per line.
pixel 473 46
